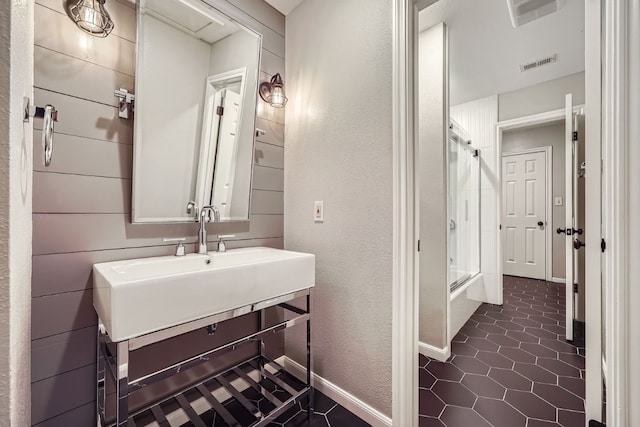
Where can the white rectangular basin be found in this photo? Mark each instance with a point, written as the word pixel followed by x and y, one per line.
pixel 140 296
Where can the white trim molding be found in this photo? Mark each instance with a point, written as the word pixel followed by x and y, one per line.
pixel 620 209
pixel 558 280
pixel 593 217
pixel 440 354
pixel 339 395
pixel 404 363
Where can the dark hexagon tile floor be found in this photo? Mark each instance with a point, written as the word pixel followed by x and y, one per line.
pixel 510 365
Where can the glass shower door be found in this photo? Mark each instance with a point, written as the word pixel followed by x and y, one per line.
pixel 464 208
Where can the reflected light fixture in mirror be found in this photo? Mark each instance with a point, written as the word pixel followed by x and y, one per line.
pixel 273 92
pixel 91 17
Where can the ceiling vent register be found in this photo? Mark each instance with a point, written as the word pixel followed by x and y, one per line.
pixel 524 11
pixel 539 63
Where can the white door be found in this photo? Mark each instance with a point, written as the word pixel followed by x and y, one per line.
pixel 524 214
pixel 226 153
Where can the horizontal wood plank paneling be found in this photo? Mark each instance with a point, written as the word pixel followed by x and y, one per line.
pixel 62 393
pixel 57 32
pixel 81 202
pixel 267 202
pixel 269 155
pixel 274 132
pixel 85 415
pixel 61 73
pixel 82 156
pixel 64 193
pixel 58 233
pixel 58 353
pixel 271 64
pixel 268 179
pixel 79 117
pixel 56 314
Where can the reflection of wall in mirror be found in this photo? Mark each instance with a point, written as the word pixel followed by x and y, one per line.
pixel 236 51
pixel 171 117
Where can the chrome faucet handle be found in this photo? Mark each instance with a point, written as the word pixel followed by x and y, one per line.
pixel 222 247
pixel 180 251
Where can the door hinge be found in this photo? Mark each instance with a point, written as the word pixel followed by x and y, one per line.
pixel 603 245
pixel 220 110
pixel 418 245
pixel 575 288
pixel 575 135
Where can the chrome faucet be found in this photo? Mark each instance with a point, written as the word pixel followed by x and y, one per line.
pixel 202 234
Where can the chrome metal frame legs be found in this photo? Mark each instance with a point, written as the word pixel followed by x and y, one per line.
pixel 113 360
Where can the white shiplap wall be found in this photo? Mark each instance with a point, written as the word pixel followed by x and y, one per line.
pixel 81 204
pixel 479 119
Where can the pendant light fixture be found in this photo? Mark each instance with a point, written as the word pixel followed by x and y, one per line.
pixel 91 17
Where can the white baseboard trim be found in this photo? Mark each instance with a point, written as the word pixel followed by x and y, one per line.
pixel 344 398
pixel 558 280
pixel 440 354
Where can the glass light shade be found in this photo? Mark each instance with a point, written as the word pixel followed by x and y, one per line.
pixel 91 17
pixel 277 98
pixel 273 92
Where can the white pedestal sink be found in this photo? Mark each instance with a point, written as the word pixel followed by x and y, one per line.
pixel 140 296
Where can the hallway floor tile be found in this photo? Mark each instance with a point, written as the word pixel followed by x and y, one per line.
pixel 510 365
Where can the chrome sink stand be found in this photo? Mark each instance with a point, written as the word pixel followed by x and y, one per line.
pixel 113 358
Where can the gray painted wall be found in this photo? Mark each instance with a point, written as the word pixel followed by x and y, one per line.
pixel 542 97
pixel 16 82
pixel 433 182
pixel 339 150
pixel 549 135
pixel 82 203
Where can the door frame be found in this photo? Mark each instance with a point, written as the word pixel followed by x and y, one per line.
pixel 548 235
pixel 405 279
pixel 547 117
pixel 405 229
pixel 620 131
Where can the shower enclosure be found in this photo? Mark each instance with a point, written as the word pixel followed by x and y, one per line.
pixel 464 207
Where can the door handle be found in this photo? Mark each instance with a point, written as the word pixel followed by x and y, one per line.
pixel 540 224
pixel 569 231
pixel 577 244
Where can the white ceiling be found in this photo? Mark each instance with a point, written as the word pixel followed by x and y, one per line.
pixel 485 51
pixel 284 6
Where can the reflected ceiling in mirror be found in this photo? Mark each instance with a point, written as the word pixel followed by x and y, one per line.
pixel 196 94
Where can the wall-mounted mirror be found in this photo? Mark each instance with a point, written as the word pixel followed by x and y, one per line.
pixel 196 95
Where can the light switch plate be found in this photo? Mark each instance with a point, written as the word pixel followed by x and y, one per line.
pixel 557 201
pixel 318 211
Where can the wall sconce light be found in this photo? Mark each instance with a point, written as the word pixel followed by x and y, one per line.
pixel 91 17
pixel 273 92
